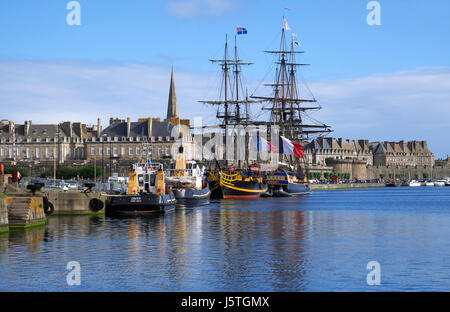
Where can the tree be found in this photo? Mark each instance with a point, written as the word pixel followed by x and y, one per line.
pixel 10 170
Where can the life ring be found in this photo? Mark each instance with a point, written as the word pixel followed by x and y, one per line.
pixel 95 205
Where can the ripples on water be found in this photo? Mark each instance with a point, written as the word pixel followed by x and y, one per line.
pixel 318 242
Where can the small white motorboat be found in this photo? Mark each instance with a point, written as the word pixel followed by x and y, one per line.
pixel 439 182
pixel 414 183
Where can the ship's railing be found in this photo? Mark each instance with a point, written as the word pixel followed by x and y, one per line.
pixel 188 172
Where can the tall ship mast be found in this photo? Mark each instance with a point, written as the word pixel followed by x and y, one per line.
pixel 232 106
pixel 289 112
pixel 287 109
pixel 232 110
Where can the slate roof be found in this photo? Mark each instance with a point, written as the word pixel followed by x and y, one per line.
pixel 139 129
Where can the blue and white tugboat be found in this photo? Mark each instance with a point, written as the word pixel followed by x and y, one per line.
pixel 146 192
pixel 187 183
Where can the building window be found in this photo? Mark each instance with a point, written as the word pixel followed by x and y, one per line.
pixel 123 150
pixel 130 151
pixel 116 151
pixel 18 151
pixel 145 150
pixel 38 152
pixel 151 150
pixel 138 150
pixel 93 151
pixel 2 152
pixel 47 152
pixel 159 150
pixel 108 151
pixel 100 151
pixel 28 153
pixel 168 150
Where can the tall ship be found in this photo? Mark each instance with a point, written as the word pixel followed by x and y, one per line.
pixel 289 115
pixel 233 178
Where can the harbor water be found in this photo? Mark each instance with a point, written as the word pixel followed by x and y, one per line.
pixel 322 241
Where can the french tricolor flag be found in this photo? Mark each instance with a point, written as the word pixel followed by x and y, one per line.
pixel 264 145
pixel 290 148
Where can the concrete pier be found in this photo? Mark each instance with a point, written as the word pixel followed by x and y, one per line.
pixel 4 225
pixel 25 211
pixel 66 203
pixel 319 187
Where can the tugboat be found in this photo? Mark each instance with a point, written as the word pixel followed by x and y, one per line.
pixel 186 181
pixel 146 192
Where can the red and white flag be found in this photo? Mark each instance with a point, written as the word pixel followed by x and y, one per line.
pixel 290 148
pixel 285 24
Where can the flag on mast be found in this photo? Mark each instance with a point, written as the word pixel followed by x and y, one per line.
pixel 288 147
pixel 295 40
pixel 285 25
pixel 263 145
pixel 241 31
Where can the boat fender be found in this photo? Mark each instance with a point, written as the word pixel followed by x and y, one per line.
pixel 48 206
pixel 95 204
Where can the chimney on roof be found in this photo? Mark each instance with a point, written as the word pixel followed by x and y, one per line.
pixel 172 107
pixel 26 127
pixel 340 142
pixel 10 126
pixel 128 126
pixel 99 127
pixel 149 127
pixel 111 120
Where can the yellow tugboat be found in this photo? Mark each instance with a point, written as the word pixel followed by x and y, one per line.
pixel 146 192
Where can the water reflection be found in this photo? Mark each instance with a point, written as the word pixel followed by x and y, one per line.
pixel 317 242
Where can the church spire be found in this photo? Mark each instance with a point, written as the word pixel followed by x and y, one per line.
pixel 172 108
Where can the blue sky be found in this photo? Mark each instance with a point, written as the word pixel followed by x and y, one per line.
pixel 387 82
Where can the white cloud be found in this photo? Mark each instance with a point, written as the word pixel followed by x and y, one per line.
pixel 79 91
pixel 412 105
pixel 199 8
pixel 399 106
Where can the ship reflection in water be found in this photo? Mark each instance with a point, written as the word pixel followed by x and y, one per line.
pixel 319 242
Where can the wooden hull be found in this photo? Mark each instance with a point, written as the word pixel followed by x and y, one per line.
pixel 283 180
pixel 243 189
